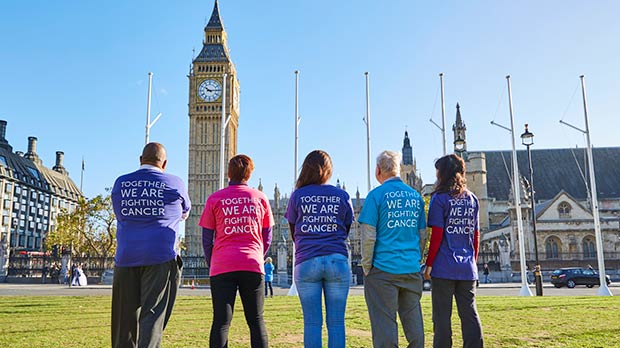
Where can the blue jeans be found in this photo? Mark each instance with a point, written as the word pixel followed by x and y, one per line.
pixel 331 275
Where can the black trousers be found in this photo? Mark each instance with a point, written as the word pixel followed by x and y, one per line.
pixel 268 286
pixel 142 301
pixel 464 292
pixel 223 293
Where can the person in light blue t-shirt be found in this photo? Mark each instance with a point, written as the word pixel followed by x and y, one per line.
pixel 393 235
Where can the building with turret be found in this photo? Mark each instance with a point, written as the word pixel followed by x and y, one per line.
pixel 564 221
pixel 32 197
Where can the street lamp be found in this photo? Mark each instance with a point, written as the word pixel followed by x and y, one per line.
pixel 527 139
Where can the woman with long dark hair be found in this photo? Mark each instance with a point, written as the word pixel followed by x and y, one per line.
pixel 320 216
pixel 452 255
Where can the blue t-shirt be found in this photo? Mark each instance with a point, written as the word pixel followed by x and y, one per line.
pixel 458 216
pixel 397 212
pixel 268 272
pixel 149 204
pixel 320 214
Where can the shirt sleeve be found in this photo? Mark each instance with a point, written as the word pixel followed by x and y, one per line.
pixel 291 209
pixel 422 218
pixel 369 214
pixel 268 217
pixel 207 244
pixel 369 237
pixel 207 219
pixel 436 212
pixel 186 204
pixel 348 218
pixel 433 248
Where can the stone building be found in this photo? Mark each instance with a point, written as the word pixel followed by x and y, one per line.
pixel 564 222
pixel 408 167
pixel 32 197
pixel 206 105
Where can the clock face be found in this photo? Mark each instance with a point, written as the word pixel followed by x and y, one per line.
pixel 210 90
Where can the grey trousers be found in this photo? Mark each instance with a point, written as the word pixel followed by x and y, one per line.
pixel 386 294
pixel 142 301
pixel 464 292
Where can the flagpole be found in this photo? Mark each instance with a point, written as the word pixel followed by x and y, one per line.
pixel 293 290
pixel 82 176
pixel 367 121
pixel 224 123
pixel 443 116
pixel 148 110
pixel 525 290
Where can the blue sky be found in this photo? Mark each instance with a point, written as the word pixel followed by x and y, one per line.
pixel 74 74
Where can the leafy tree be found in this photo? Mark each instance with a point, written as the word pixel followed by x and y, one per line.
pixel 89 229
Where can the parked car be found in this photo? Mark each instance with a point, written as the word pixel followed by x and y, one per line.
pixel 570 277
pixel 107 277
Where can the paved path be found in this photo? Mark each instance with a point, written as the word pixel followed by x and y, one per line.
pixel 496 289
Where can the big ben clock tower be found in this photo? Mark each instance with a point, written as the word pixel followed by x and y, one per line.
pixel 206 90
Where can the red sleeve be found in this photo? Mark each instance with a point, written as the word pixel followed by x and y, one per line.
pixel 476 244
pixel 433 248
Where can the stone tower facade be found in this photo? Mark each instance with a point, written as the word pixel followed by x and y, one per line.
pixel 459 129
pixel 206 89
pixel 408 168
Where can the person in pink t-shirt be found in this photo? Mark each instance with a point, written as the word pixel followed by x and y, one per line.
pixel 236 234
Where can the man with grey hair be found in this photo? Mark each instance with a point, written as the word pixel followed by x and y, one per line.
pixel 393 238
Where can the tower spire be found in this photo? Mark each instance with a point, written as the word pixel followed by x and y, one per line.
pixel 407 150
pixel 215 22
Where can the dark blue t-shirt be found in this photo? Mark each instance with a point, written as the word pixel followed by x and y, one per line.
pixel 149 204
pixel 320 214
pixel 458 216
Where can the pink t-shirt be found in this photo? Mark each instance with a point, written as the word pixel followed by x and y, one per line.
pixel 237 214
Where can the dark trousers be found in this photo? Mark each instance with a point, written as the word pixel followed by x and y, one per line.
pixel 142 301
pixel 223 293
pixel 387 294
pixel 268 285
pixel 464 292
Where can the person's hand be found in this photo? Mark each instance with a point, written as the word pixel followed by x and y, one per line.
pixel 366 271
pixel 427 272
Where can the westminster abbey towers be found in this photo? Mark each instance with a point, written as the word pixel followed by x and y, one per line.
pixel 206 91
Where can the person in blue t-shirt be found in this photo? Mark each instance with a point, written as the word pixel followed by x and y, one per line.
pixel 268 276
pixel 149 205
pixel 393 236
pixel 320 216
pixel 452 255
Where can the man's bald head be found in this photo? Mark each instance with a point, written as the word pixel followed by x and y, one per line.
pixel 154 154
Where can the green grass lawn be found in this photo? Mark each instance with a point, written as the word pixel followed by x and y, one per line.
pixel 506 321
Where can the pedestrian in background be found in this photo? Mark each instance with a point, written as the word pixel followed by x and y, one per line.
pixel 453 253
pixel 393 238
pixel 320 216
pixel 486 272
pixel 268 276
pixel 236 234
pixel 149 205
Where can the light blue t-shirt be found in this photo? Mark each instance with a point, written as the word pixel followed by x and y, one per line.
pixel 397 212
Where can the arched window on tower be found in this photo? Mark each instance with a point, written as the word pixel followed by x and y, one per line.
pixel 589 249
pixel 564 209
pixel 552 248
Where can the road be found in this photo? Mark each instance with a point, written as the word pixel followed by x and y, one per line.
pixel 500 289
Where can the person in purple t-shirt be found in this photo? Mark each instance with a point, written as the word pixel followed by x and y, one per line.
pixel 149 205
pixel 452 254
pixel 320 216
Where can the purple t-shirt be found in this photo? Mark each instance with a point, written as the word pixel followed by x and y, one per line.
pixel 321 214
pixel 458 216
pixel 149 204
